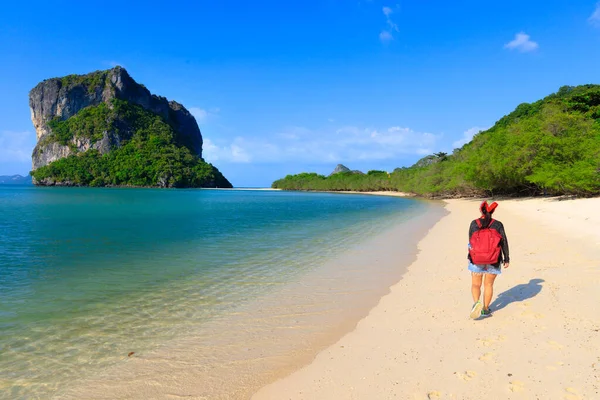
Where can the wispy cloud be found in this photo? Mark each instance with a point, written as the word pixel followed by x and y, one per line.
pixel 522 43
pixel 386 35
pixel 594 19
pixel 232 152
pixel 202 115
pixel 344 144
pixel 387 11
pixel 16 146
pixel 468 136
pixel 199 113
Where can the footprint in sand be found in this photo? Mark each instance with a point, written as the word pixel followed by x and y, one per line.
pixel 571 394
pixel 487 357
pixel 433 395
pixel 490 341
pixel 555 367
pixel 467 375
pixel 540 329
pixel 532 314
pixel 555 345
pixel 516 386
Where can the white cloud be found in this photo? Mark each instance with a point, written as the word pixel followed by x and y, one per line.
pixel 202 115
pixel 232 152
pixel 595 17
pixel 386 35
pixel 522 42
pixel 16 146
pixel 198 113
pixel 345 144
pixel 468 136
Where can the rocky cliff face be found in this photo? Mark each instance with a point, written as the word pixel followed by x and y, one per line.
pixel 339 168
pixel 59 99
pixel 342 168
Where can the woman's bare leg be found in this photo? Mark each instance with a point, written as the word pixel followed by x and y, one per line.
pixel 489 290
pixel 476 286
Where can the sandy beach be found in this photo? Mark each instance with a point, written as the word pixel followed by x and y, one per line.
pixel 542 342
pixel 377 193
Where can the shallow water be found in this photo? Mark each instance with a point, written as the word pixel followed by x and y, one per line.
pixel 89 275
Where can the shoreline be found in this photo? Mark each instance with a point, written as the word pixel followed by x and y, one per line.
pixel 420 344
pixel 279 333
pixel 381 193
pixel 391 193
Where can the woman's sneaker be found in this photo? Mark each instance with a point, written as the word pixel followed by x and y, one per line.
pixel 477 310
pixel 486 313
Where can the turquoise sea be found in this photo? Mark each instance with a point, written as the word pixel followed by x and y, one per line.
pixel 89 275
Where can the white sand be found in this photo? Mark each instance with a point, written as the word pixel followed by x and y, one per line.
pixel 380 193
pixel 543 341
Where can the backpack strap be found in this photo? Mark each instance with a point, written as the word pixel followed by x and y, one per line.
pixel 478 221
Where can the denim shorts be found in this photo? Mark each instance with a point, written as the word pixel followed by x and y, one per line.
pixel 484 269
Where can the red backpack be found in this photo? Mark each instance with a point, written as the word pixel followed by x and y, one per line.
pixel 485 245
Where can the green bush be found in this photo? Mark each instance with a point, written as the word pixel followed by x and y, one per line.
pixel 91 122
pixel 91 81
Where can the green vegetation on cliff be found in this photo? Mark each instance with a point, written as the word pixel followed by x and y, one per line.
pixel 552 146
pixel 149 153
pixel 91 123
pixel 92 81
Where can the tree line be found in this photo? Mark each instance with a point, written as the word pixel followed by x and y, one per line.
pixel 551 146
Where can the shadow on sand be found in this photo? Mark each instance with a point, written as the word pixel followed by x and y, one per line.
pixel 518 293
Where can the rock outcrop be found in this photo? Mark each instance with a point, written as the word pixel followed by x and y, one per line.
pixel 59 99
pixel 342 168
pixel 426 161
pixel 105 129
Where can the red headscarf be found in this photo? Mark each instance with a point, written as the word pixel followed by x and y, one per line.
pixel 489 208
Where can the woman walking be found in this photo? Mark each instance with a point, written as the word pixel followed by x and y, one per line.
pixel 488 250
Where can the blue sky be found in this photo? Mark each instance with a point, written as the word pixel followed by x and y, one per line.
pixel 287 87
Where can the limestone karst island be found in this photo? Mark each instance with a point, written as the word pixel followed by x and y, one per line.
pixel 105 129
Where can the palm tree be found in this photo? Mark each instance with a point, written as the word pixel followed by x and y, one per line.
pixel 441 156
